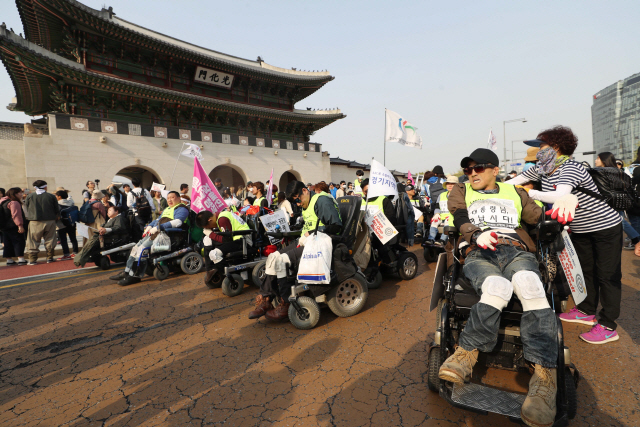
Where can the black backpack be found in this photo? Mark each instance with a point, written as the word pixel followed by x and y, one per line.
pixel 142 204
pixel 614 186
pixel 6 222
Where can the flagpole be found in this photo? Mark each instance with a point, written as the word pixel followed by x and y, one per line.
pixel 176 165
pixel 384 159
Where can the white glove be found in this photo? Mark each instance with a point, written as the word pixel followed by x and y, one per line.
pixel 302 239
pixel 435 220
pixel 146 230
pixel 564 209
pixel 487 240
pixel 153 230
pixel 207 241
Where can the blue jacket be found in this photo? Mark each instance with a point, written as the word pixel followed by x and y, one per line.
pixel 180 213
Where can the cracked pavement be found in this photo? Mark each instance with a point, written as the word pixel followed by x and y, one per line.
pixel 84 352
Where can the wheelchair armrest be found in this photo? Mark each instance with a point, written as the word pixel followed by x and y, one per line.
pixel 241 232
pixel 281 234
pixel 452 232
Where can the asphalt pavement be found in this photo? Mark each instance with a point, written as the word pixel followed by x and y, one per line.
pixel 81 351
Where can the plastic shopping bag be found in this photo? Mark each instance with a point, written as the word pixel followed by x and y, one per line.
pixel 161 243
pixel 315 264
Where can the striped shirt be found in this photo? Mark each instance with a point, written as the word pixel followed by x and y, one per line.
pixel 591 214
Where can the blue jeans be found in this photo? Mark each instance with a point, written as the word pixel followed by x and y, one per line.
pixel 634 220
pixel 432 234
pixel 629 230
pixel 538 328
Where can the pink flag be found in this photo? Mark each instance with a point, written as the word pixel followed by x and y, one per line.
pixel 204 195
pixel 411 178
pixel 270 189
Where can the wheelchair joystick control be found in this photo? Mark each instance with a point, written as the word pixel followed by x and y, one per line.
pixel 277 227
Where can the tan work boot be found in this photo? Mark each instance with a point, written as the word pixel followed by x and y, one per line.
pixel 539 408
pixel 459 366
pixel 281 312
pixel 263 304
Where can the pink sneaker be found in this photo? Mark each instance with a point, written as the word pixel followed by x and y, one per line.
pixel 576 316
pixel 599 335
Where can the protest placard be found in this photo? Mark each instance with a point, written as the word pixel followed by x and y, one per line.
pixel 279 217
pixel 157 187
pixel 380 226
pixel 82 230
pixel 572 269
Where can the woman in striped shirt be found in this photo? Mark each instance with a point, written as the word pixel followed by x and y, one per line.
pixel 596 231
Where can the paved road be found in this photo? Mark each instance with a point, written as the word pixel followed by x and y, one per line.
pixel 84 352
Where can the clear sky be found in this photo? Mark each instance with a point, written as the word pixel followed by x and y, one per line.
pixel 454 69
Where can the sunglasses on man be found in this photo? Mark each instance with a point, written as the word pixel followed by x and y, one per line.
pixel 477 168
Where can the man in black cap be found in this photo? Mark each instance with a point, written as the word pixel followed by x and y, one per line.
pixel 218 183
pixel 436 187
pixel 499 261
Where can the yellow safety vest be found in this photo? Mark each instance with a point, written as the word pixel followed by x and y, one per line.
pixel 378 203
pixel 499 210
pixel 257 202
pixel 236 223
pixel 357 187
pixel 309 215
pixel 168 211
pixel 444 209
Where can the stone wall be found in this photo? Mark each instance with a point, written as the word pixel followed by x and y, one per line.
pixel 69 158
pixel 344 173
pixel 12 170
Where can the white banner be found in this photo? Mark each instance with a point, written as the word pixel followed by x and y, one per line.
pixel 492 143
pixel 82 230
pixel 572 269
pixel 157 187
pixel 381 181
pixel 380 226
pixel 398 129
pixel 279 217
pixel 191 150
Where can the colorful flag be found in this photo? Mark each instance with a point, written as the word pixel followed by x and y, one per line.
pixel 411 178
pixel 192 150
pixel 398 129
pixel 381 181
pixel 204 195
pixel 492 143
pixel 270 189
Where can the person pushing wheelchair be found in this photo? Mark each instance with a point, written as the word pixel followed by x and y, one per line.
pixel 499 262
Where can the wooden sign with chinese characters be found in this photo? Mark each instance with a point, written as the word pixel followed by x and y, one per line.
pixel 213 77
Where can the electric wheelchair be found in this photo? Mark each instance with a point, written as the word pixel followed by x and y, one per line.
pixel 347 292
pixel 183 254
pixel 453 296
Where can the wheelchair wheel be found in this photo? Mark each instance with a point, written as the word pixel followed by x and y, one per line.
pixel 435 361
pixel 258 273
pixel 430 254
pixel 311 313
pixel 105 263
pixel 407 265
pixel 192 263
pixel 374 282
pixel 233 287
pixel 161 272
pixel 349 297
pixel 570 393
pixel 215 282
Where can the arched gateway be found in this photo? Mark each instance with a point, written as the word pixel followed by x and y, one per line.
pixel 231 175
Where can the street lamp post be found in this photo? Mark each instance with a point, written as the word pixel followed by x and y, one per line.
pixel 504 135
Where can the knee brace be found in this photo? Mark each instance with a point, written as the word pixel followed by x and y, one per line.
pixel 277 264
pixel 215 255
pixel 530 290
pixel 496 292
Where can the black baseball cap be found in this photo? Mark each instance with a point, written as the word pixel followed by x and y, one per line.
pixel 409 187
pixel 481 156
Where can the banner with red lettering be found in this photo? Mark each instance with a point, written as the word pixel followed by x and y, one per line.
pixel 380 225
pixel 204 195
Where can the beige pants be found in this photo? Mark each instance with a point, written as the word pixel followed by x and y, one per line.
pixel 37 231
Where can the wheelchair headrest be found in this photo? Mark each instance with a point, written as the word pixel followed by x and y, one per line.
pixel 349 209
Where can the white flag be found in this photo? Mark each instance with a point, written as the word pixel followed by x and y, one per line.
pixel 191 150
pixel 398 129
pixel 381 181
pixel 492 143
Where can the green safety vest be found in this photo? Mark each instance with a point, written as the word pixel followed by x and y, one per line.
pixel 236 223
pixel 309 215
pixel 257 202
pixel 357 187
pixel 539 203
pixel 444 208
pixel 501 210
